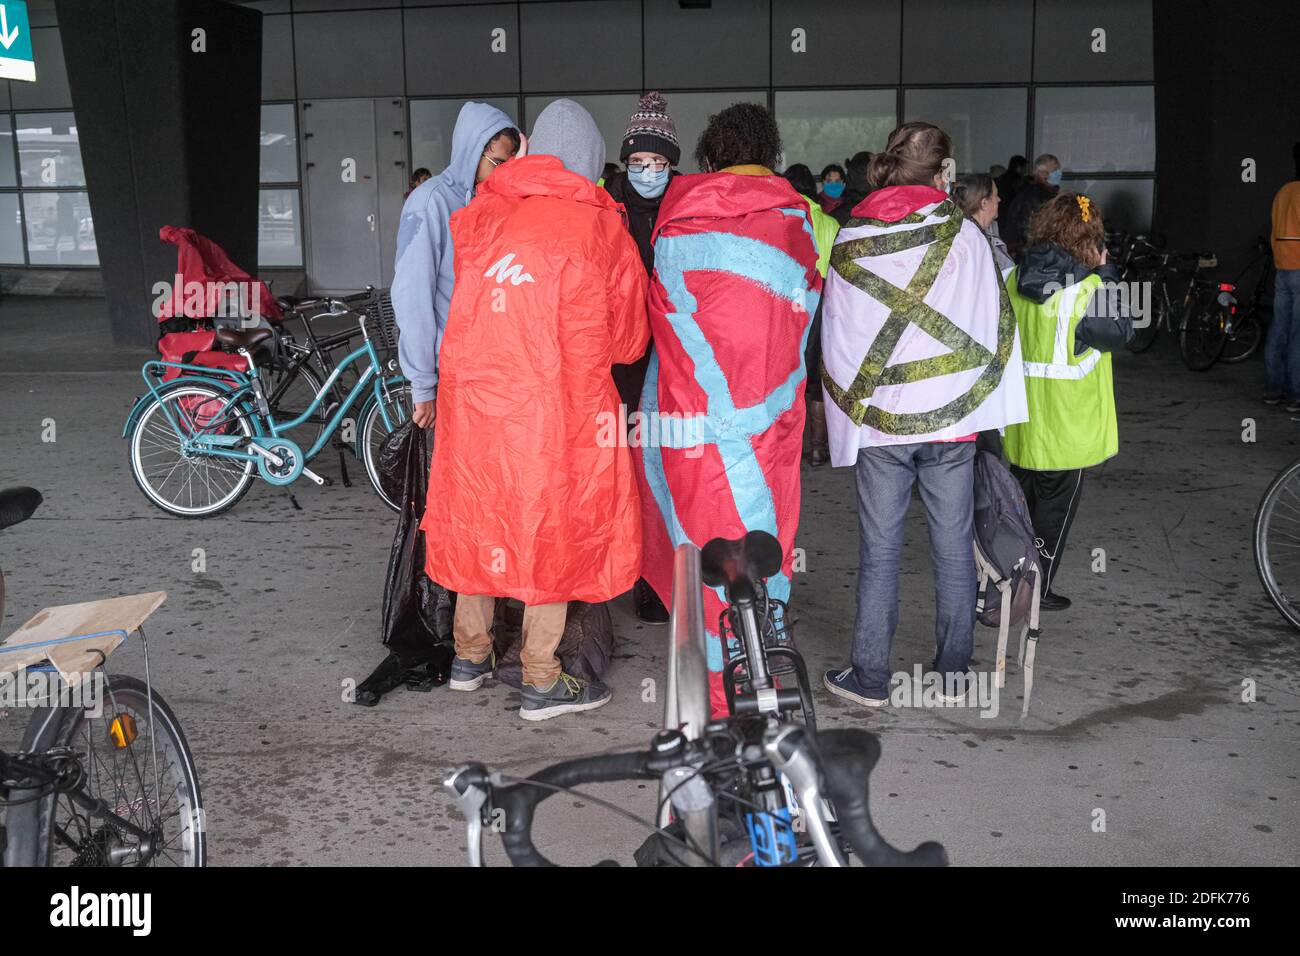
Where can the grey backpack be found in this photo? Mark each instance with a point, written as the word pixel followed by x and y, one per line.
pixel 1006 559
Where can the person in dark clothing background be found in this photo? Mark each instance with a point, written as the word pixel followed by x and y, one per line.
pixel 1009 182
pixel 855 174
pixel 649 151
pixel 1013 220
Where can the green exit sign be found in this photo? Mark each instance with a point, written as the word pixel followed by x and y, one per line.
pixel 16 62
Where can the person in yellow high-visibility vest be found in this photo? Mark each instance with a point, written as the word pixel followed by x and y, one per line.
pixel 1072 313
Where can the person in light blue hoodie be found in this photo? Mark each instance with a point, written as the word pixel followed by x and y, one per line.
pixel 483 139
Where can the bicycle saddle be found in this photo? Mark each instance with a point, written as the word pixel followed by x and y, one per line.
pixel 249 339
pixel 17 504
pixel 737 564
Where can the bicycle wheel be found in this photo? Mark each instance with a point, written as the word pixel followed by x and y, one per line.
pixel 1145 336
pixel 177 481
pixel 374 431
pixel 1203 337
pixel 1244 340
pixel 291 395
pixel 54 831
pixel 1277 542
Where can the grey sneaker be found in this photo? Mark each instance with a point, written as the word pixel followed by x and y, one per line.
pixel 466 675
pixel 566 695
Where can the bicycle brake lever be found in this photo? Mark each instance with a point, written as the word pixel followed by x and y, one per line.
pixel 469 787
pixel 788 747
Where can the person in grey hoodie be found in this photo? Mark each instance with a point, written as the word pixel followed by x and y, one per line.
pixel 484 138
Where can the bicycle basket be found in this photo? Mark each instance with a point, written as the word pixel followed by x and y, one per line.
pixel 381 325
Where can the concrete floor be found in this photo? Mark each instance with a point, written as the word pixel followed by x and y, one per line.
pixel 1137 705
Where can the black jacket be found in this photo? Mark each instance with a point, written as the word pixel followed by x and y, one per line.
pixel 1009 184
pixel 641 213
pixel 1108 324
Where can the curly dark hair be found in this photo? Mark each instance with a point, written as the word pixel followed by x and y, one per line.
pixel 743 133
pixel 1071 221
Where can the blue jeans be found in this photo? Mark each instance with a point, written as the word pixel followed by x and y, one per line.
pixel 945 473
pixel 1282 349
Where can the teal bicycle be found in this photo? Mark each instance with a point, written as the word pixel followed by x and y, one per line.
pixel 200 435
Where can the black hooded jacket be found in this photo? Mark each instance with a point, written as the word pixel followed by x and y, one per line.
pixel 1107 325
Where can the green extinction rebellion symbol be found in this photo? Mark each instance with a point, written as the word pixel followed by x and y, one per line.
pixel 907 307
pixel 16 62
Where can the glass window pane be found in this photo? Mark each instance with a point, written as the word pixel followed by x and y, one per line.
pixel 820 127
pixel 432 122
pixel 11 235
pixel 279 228
pixel 1097 128
pixel 1126 204
pixel 278 150
pixel 59 229
pixel 7 177
pixel 48 151
pixel 690 113
pixel 987 126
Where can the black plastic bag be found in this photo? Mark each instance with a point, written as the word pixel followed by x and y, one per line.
pixel 585 648
pixel 417 616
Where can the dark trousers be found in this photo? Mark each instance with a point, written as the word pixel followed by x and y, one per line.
pixel 1053 499
pixel 812 358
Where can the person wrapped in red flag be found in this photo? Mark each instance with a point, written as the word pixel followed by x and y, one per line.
pixel 734 288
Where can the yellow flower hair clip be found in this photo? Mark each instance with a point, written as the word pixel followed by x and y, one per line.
pixel 1085 207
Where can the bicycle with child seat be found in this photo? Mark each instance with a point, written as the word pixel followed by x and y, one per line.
pixel 195 441
pixel 760 787
pixel 104 775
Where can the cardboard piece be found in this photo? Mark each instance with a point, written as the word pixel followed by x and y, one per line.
pixel 102 623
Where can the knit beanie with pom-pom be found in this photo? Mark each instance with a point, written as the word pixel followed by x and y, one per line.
pixel 651 130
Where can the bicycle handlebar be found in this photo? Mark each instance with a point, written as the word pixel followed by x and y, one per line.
pixel 331 303
pixel 520 800
pixel 845 759
pixel 848 757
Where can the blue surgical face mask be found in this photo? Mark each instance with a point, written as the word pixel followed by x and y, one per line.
pixel 1054 177
pixel 834 189
pixel 648 183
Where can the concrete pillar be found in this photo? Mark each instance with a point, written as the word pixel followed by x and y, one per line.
pixel 167 95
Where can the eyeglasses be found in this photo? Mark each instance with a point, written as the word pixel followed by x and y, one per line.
pixel 495 160
pixel 656 167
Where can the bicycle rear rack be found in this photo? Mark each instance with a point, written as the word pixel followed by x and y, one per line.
pixel 781 659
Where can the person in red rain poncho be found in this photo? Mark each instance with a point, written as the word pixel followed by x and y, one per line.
pixel 527 496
